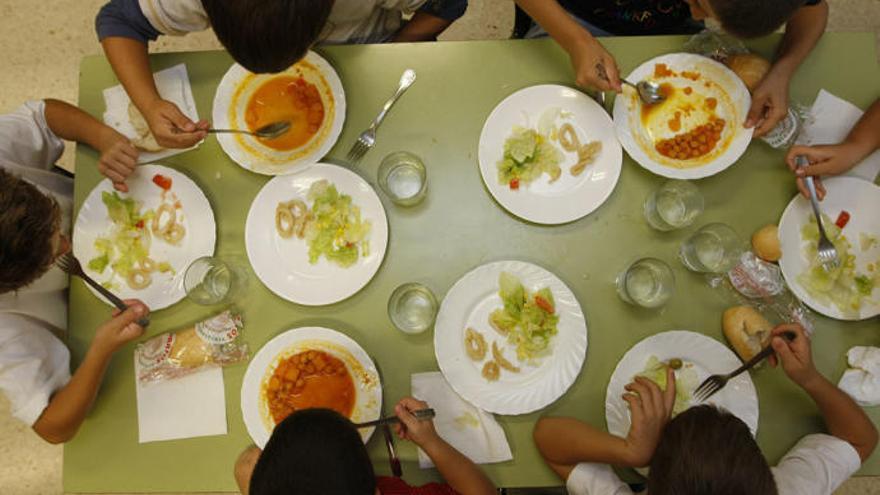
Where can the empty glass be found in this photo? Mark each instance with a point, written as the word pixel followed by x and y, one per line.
pixel 210 281
pixel 403 179
pixel 676 204
pixel 412 308
pixel 715 248
pixel 648 283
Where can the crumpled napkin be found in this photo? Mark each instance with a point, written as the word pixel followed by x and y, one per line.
pixel 173 85
pixel 831 120
pixel 472 431
pixel 862 380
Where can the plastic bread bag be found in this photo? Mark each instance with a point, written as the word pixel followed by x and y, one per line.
pixel 751 68
pixel 216 341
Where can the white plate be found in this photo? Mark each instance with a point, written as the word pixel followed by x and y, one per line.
pixel 569 198
pixel 283 264
pixel 468 304
pixel 230 103
pixel 195 215
pixel 640 146
pixel 368 389
pixel 708 357
pixel 862 200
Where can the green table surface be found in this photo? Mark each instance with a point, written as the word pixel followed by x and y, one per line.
pixel 457 228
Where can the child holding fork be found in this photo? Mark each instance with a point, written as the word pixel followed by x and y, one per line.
pixel 35 216
pixel 708 450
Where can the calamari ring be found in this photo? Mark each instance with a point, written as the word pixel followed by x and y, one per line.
pixel 159 229
pixel 499 358
pixel 175 234
pixel 284 221
pixel 139 279
pixel 586 156
pixel 147 264
pixel 474 344
pixel 491 371
pixel 568 138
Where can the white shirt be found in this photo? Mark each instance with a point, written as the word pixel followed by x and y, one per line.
pixel 817 465
pixel 34 363
pixel 350 21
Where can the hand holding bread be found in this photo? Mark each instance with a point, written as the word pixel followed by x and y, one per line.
pixel 746 330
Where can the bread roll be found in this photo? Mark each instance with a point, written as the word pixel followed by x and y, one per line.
pixel 746 330
pixel 749 67
pixel 765 243
pixel 145 139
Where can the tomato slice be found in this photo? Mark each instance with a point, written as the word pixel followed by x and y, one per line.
pixel 162 181
pixel 544 304
pixel 842 219
pixel 140 224
pixel 514 184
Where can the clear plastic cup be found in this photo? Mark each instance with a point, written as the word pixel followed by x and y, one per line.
pixel 412 308
pixel 209 281
pixel 402 177
pixel 647 282
pixel 676 204
pixel 714 248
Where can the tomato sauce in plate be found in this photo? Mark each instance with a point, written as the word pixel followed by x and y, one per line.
pixel 287 98
pixel 309 379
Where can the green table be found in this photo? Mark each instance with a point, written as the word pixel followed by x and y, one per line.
pixel 457 228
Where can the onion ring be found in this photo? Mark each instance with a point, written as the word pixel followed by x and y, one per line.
pixel 491 371
pixel 159 229
pixel 147 264
pixel 475 344
pixel 284 221
pixel 175 234
pixel 139 279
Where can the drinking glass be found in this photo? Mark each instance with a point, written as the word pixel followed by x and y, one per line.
pixel 647 282
pixel 714 248
pixel 403 179
pixel 676 204
pixel 209 280
pixel 412 308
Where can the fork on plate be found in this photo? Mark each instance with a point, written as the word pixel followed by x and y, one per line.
pixel 715 383
pixel 826 252
pixel 72 266
pixel 367 139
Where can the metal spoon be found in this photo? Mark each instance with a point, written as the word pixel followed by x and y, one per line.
pixel 649 91
pixel 270 131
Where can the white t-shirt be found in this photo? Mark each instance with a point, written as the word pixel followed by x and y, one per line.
pixel 34 363
pixel 817 465
pixel 350 21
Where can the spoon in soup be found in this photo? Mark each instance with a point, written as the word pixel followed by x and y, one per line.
pixel 649 91
pixel 269 131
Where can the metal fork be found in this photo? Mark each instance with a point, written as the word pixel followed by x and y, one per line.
pixel 421 415
pixel 72 266
pixel 716 382
pixel 367 139
pixel 826 251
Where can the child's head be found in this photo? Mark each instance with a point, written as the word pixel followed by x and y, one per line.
pixel 708 450
pixel 746 18
pixel 314 452
pixel 29 232
pixel 267 35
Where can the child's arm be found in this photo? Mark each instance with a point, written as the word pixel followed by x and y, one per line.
pixel 770 98
pixel 118 157
pixel 844 418
pixel 863 139
pixel 422 27
pixel 459 472
pixel 68 407
pixel 565 442
pixel 585 51
pixel 244 468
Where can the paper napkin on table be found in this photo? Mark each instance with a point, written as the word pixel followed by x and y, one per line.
pixel 831 120
pixel 187 407
pixel 173 85
pixel 472 431
pixel 862 380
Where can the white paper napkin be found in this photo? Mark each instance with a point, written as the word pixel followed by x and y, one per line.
pixel 472 431
pixel 831 120
pixel 187 407
pixel 862 380
pixel 173 85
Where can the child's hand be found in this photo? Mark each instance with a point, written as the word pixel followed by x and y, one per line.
pixel 795 356
pixel 824 160
pixel 769 103
pixel 122 328
pixel 118 161
pixel 594 67
pixel 417 431
pixel 651 409
pixel 173 129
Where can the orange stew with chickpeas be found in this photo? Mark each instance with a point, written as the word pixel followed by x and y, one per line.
pixel 310 379
pixel 694 143
pixel 286 98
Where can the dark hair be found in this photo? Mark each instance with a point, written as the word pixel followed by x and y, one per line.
pixel 29 220
pixel 708 451
pixel 753 18
pixel 314 452
pixel 267 35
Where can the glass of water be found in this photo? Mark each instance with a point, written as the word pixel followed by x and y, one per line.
pixel 715 248
pixel 676 204
pixel 648 283
pixel 209 280
pixel 403 179
pixel 412 308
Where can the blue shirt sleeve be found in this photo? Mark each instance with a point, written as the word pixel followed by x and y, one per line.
pixel 124 18
pixel 449 10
